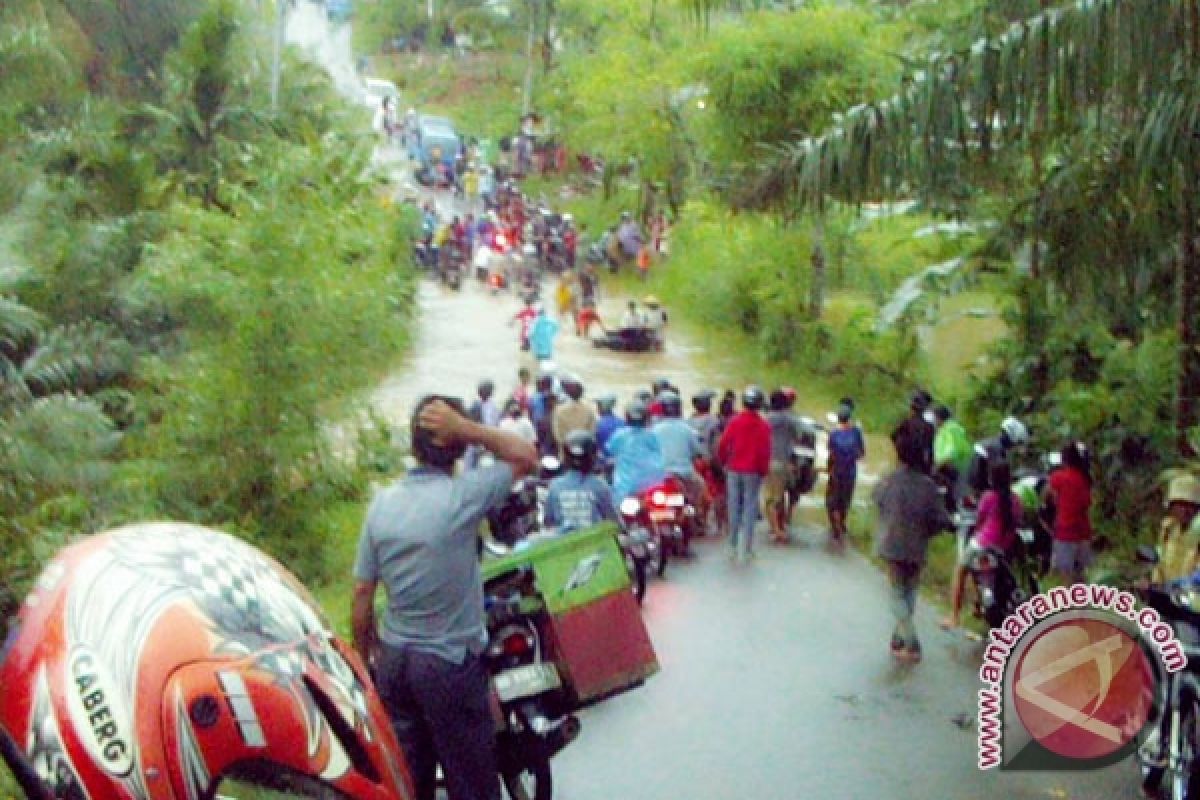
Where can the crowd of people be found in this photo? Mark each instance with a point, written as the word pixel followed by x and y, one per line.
pixel 939 472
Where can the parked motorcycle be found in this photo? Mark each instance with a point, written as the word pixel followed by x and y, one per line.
pixel 535 724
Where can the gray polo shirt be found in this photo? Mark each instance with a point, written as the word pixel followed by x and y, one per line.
pixel 419 540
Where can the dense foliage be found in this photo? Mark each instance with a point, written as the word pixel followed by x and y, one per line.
pixel 192 287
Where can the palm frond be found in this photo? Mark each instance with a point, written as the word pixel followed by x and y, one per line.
pixel 1046 71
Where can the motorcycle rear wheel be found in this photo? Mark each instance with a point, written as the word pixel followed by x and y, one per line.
pixel 1185 782
pixel 532 781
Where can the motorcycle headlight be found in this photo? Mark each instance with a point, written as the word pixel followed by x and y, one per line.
pixel 1186 598
pixel 630 506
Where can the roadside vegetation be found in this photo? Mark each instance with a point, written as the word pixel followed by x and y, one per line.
pixel 193 285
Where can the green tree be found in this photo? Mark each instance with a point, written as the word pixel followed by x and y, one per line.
pixel 1101 59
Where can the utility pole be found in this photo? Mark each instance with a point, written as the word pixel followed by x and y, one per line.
pixel 277 59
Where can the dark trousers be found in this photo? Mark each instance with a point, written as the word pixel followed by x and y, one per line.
pixel 441 715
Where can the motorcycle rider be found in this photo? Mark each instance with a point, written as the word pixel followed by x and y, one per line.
pixel 574 414
pixel 636 453
pixel 607 421
pixel 996 523
pixel 681 447
pixel 1013 434
pixel 579 498
pixel 1179 533
pixel 420 541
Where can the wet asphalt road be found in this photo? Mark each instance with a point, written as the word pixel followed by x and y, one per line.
pixel 775 682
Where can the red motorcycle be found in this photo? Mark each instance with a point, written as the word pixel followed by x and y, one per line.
pixel 663 508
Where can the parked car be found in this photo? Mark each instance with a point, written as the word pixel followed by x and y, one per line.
pixel 436 150
pixel 375 89
pixel 338 10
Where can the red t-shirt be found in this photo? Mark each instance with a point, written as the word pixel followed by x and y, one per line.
pixel 746 444
pixel 1073 501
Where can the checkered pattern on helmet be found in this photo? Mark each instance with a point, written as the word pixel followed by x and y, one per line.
pixel 228 577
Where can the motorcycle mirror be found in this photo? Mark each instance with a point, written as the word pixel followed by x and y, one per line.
pixel 1146 554
pixel 630 506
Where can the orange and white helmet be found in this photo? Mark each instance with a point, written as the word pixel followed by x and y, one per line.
pixel 156 660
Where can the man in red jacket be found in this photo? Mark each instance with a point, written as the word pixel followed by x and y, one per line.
pixel 745 452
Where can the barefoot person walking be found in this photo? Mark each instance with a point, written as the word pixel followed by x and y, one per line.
pixel 911 512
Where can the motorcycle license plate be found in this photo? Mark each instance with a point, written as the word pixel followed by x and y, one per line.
pixel 662 516
pixel 804 452
pixel 531 679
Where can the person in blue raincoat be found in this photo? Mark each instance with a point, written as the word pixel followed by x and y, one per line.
pixel 636 453
pixel 541 335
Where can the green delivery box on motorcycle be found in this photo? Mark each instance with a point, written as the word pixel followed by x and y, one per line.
pixel 595 628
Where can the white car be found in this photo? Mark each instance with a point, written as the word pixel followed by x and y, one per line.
pixel 375 89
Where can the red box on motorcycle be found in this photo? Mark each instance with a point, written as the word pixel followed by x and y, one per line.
pixel 593 623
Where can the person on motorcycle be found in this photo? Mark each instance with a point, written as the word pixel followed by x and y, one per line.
pixel 785 435
pixel 579 498
pixel 574 414
pixel 681 447
pixel 996 521
pixel 951 454
pixel 846 448
pixel 916 430
pixel 1013 434
pixel 420 540
pixel 1179 533
pixel 636 453
pixel 744 452
pixel 607 421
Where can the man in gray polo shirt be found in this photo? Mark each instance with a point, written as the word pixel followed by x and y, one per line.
pixel 420 541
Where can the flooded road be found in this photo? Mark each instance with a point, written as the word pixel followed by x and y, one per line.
pixel 776 682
